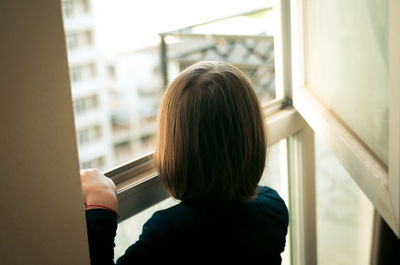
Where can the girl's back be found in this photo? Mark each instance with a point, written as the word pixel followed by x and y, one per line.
pixel 210 154
pixel 187 233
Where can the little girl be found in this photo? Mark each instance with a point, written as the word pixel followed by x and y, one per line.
pixel 210 154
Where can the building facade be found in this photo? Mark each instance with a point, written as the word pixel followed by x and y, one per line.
pixel 89 86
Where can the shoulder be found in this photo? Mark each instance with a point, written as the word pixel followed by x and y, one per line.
pixel 177 209
pixel 174 214
pixel 267 194
pixel 269 201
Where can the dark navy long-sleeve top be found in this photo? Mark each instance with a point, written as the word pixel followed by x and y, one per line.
pixel 249 231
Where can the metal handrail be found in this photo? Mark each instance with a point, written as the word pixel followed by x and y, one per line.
pixel 185 29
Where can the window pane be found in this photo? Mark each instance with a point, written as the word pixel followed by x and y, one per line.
pixel 118 74
pixel 348 65
pixel 344 214
pixel 272 176
pixel 129 230
pixel 275 178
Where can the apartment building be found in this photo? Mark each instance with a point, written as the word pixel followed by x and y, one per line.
pixel 88 77
pixel 134 98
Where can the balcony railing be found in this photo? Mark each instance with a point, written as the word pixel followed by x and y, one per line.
pixel 252 53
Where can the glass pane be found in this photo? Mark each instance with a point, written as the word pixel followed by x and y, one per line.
pixel 118 74
pixel 272 176
pixel 344 214
pixel 275 178
pixel 129 230
pixel 347 64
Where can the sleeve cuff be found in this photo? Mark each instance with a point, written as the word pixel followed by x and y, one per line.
pixel 101 214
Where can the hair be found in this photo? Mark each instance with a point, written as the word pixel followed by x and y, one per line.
pixel 211 140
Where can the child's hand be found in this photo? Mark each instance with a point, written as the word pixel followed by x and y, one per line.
pixel 98 190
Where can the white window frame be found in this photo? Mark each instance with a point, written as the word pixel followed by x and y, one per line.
pixel 300 153
pixel 379 182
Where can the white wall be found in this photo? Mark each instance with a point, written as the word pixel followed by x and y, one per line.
pixel 41 212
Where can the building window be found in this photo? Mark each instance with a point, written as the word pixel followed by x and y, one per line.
pixel 89 134
pixel 123 149
pixel 72 41
pixel 82 72
pixel 79 105
pixel 120 123
pixel 148 120
pixel 76 74
pixel 82 105
pixel 77 40
pixel 75 7
pixel 68 8
pixel 146 141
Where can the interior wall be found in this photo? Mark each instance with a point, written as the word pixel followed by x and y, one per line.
pixel 41 212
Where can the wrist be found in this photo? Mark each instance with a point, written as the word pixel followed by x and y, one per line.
pixel 98 206
pixel 108 200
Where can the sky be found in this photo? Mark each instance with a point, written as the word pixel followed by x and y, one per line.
pixel 125 25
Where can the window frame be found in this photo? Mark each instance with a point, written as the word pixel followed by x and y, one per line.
pixel 380 182
pixel 300 153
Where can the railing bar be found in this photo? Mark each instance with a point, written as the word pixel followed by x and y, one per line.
pixel 216 36
pixel 129 165
pixel 218 19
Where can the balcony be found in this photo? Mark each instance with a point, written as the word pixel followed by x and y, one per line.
pixel 244 40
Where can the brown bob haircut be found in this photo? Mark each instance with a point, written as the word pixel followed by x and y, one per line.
pixel 211 141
